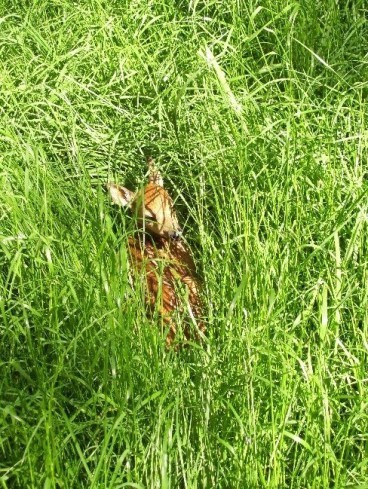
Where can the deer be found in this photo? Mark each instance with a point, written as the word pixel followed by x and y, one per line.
pixel 159 254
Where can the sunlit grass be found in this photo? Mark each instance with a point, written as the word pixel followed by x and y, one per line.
pixel 257 117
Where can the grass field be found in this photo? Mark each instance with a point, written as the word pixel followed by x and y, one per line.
pixel 256 113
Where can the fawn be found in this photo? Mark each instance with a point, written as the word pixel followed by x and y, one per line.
pixel 159 253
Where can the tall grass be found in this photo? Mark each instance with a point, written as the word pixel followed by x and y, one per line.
pixel 256 113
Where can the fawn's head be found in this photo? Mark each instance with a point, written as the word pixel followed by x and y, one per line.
pixel 152 205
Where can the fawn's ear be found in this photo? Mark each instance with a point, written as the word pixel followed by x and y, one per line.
pixel 120 195
pixel 153 174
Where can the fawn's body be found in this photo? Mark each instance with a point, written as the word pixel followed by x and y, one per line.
pixel 160 255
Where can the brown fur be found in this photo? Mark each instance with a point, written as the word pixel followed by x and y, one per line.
pixel 162 256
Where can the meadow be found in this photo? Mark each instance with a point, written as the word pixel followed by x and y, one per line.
pixel 256 114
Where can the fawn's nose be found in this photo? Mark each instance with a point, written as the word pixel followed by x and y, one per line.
pixel 175 235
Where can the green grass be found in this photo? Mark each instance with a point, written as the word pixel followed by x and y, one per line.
pixel 256 113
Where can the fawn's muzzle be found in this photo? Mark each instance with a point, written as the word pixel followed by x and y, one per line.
pixel 175 235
